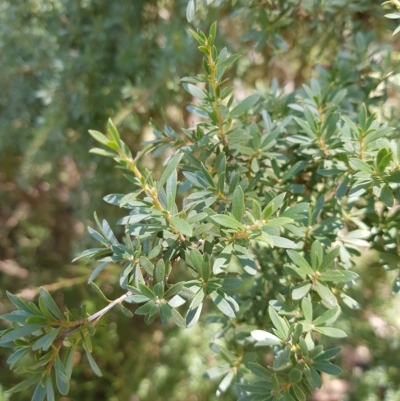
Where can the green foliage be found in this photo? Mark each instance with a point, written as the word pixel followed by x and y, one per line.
pixel 262 208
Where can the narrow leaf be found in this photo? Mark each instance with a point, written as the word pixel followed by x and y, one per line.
pixel 278 322
pixel 238 204
pixel 227 221
pixel 244 106
pixel 170 168
pixel 93 364
pixel 182 226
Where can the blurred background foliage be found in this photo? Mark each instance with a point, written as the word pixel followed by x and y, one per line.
pixel 69 66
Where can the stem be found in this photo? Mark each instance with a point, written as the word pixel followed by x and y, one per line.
pixel 214 84
pixel 360 155
pixel 111 305
pixel 151 192
pixel 64 333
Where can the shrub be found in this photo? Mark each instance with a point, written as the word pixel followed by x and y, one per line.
pixel 262 212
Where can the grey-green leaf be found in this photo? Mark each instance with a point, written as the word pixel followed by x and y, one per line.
pixel 170 168
pixel 49 302
pixel 238 204
pixel 227 221
pixel 222 304
pixel 278 322
pixel 182 226
pixel 93 364
pixel 244 106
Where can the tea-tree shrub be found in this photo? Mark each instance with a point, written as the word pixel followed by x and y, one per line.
pixel 263 214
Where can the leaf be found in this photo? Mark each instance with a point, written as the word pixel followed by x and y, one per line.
pixel 159 271
pixel 124 310
pixel 19 332
pixel 265 338
pixel 51 305
pixel 62 380
pixel 231 283
pixel 136 299
pixel 46 341
pixel 177 318
pixel 386 195
pixel 190 11
pixel 339 276
pixel 194 91
pixel 288 396
pixel 112 131
pixel 97 271
pixel 217 371
pixel 360 165
pixel 93 364
pixel 328 260
pixel 228 61
pixel 299 393
pixel 331 332
pixel 21 303
pixel 197 260
pixel 326 295
pixel 108 232
pixel 174 289
pixel 165 313
pixel 315 376
pixel 295 375
pixel 39 393
pixel 97 236
pixel 193 315
pixel 350 302
pixel 102 152
pixel 327 317
pixel 17 355
pixel 299 260
pixel 260 371
pixel 327 367
pixel 146 291
pixel 306 307
pixel 273 206
pixel 227 221
pixel 226 382
pixel 145 309
pixel 293 171
pixel 328 354
pixel 246 260
pixel 198 299
pixel 283 358
pixel 222 304
pixel 98 136
pixel 279 222
pixel 316 254
pixel 69 361
pixel 282 242
pixel 244 106
pixel 182 226
pixel 170 168
pixel 301 290
pixel 279 323
pixel 158 289
pixel 20 316
pixel 98 291
pixel 25 384
pixel 393 15
pixel 147 265
pixel 394 176
pixel 238 204
pixel 50 389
